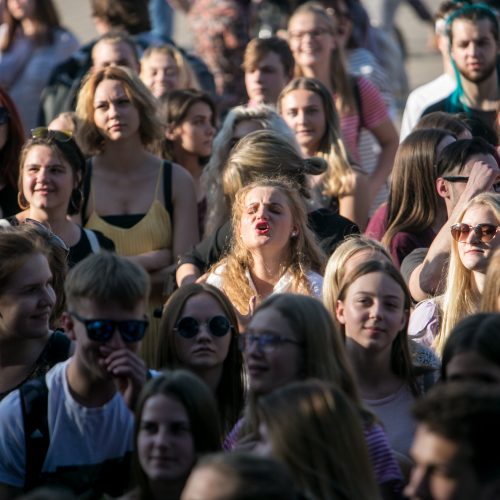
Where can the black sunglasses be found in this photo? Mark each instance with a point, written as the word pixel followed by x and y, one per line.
pixel 101 330
pixel 465 179
pixel 4 116
pixel 485 232
pixel 188 327
pixel 47 233
pixel 45 133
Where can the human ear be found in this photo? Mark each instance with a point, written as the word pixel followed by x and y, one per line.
pixel 172 133
pixel 442 188
pixel 340 312
pixel 68 325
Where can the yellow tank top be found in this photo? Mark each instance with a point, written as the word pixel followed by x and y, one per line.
pixel 152 232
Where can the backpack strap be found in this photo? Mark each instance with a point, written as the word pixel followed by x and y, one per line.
pixel 167 187
pixel 94 242
pixel 34 396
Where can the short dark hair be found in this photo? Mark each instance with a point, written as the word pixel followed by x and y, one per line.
pixel 467 414
pixel 130 15
pixel 258 48
pixel 457 154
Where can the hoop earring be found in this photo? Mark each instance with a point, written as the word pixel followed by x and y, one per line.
pixel 76 200
pixel 21 201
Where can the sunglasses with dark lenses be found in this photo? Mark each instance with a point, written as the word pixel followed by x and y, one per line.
pixel 45 133
pixel 47 233
pixel 464 179
pixel 485 232
pixel 102 330
pixel 4 116
pixel 188 327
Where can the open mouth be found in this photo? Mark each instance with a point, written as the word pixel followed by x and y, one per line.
pixel 262 227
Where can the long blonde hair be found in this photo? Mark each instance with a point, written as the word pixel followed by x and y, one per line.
pixel 339 77
pixel 491 292
pixel 338 178
pixel 304 253
pixel 461 297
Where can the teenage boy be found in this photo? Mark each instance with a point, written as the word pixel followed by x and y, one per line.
pixel 88 397
pixel 268 64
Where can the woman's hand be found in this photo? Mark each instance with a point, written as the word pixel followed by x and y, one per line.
pixel 155 260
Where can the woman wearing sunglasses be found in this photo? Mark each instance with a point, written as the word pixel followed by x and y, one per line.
pixel 475 236
pixel 11 140
pixel 199 332
pixel 51 173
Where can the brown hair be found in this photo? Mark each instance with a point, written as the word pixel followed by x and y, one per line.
pixel 150 128
pixel 258 48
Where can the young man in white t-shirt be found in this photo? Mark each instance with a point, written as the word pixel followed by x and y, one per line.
pixel 90 424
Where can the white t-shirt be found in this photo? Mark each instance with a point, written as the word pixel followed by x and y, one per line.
pixel 79 436
pixel 283 285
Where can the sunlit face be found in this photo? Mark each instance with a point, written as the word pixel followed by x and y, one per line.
pixel 474 253
pixel 108 53
pixel 115 115
pixel 28 300
pixel 266 80
pixel 207 483
pixel 474 49
pixel 304 113
pixel 472 366
pixel 160 73
pixel 269 370
pixel 373 311
pixel 48 179
pixel 204 351
pixel 440 472
pixel 196 133
pixel 266 222
pixel 165 443
pixel 311 40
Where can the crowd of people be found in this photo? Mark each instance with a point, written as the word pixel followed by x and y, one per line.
pixel 225 276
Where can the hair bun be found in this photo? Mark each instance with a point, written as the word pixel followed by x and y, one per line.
pixel 314 165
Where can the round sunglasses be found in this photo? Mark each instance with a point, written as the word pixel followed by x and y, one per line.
pixel 188 327
pixel 485 232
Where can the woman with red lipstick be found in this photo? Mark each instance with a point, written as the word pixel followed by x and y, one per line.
pixel 199 332
pixel 475 236
pixel 372 311
pixel 273 250
pixel 190 117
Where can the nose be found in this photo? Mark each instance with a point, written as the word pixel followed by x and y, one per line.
pixel 162 437
pixel 203 332
pixel 376 310
pixel 116 341
pixel 48 297
pixel 472 237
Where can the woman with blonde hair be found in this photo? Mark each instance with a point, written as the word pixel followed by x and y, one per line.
pixel 164 68
pixel 413 210
pixel 474 238
pixel 490 300
pixel 144 204
pixel 300 426
pixel 317 54
pixel 263 154
pixel 273 250
pixel 239 122
pixel 309 110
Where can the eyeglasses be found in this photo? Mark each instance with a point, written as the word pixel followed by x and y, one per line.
pixel 47 233
pixel 102 330
pixel 45 133
pixel 485 232
pixel 299 35
pixel 4 116
pixel 465 179
pixel 266 342
pixel 188 327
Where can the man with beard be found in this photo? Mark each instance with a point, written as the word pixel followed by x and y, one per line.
pixel 473 35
